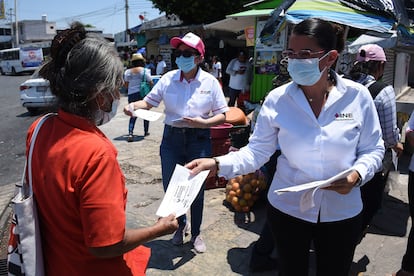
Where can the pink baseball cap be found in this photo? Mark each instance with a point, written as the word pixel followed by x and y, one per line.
pixel 370 52
pixel 191 40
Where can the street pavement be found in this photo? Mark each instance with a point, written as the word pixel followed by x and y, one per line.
pixel 229 236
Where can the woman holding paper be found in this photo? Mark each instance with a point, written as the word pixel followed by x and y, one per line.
pixel 325 126
pixel 133 78
pixel 77 181
pixel 194 101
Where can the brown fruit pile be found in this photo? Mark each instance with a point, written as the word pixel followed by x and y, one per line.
pixel 243 190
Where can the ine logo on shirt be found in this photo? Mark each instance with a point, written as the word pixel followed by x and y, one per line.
pixel 344 116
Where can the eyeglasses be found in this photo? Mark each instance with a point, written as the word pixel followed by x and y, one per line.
pixel 185 53
pixel 302 54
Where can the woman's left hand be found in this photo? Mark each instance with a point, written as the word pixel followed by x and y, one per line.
pixel 196 122
pixel 345 185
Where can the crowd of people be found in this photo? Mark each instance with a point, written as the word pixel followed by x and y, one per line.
pixel 319 123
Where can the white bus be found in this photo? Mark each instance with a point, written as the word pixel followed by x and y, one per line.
pixel 18 60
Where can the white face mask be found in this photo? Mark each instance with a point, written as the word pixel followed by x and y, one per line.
pixel 305 71
pixel 103 117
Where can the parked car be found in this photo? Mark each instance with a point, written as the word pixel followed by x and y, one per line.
pixel 35 94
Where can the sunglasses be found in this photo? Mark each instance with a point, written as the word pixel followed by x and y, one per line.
pixel 302 54
pixel 185 53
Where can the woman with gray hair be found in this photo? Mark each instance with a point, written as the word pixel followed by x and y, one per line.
pixel 77 181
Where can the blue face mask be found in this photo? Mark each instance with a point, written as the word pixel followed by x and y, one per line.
pixel 185 64
pixel 305 71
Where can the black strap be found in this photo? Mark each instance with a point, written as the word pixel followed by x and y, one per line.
pixel 376 87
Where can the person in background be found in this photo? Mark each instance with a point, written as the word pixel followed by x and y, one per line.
pixel 161 66
pixel 133 78
pixel 216 68
pixel 261 258
pixel 407 264
pixel 238 82
pixel 150 64
pixel 194 102
pixel 77 181
pixel 324 126
pixel 368 70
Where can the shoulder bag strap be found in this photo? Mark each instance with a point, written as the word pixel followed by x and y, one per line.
pixel 28 165
pixel 144 79
pixel 376 88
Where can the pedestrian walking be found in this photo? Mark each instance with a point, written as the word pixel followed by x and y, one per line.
pixel 323 125
pixel 133 78
pixel 194 102
pixel 368 70
pixel 77 181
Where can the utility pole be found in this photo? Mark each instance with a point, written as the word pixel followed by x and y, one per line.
pixel 11 26
pixel 126 21
pixel 17 24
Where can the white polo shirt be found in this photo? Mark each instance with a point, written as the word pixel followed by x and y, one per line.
pixel 347 134
pixel 201 97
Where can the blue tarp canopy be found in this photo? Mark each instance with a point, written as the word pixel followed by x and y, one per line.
pixel 334 11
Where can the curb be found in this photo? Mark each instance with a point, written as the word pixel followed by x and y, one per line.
pixel 6 195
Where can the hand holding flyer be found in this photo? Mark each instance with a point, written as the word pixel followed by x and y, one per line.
pixel 181 192
pixel 147 114
pixel 307 198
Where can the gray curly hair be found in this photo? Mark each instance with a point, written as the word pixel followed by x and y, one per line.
pixel 82 66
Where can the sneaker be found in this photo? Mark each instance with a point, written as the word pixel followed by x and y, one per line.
pixel 146 134
pixel 199 244
pixel 130 138
pixel 178 238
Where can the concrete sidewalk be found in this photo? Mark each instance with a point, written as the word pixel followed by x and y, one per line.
pixel 229 236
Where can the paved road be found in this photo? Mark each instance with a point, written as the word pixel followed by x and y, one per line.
pixel 229 236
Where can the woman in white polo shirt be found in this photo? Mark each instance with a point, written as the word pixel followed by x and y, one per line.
pixel 194 102
pixel 323 125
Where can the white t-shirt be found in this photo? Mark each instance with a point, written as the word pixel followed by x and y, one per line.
pixel 160 67
pixel 217 69
pixel 346 134
pixel 134 79
pixel 237 81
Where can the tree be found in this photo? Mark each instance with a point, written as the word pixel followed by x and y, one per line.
pixel 200 11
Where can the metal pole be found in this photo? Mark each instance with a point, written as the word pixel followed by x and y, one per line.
pixel 11 27
pixel 126 21
pixel 17 24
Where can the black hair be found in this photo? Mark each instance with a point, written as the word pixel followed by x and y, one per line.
pixel 138 62
pixel 361 69
pixel 328 36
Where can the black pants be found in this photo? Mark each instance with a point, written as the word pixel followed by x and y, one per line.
pixel 133 98
pixel 408 259
pixel 371 195
pixel 334 244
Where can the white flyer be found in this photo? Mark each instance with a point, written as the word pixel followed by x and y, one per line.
pixel 147 114
pixel 181 192
pixel 307 198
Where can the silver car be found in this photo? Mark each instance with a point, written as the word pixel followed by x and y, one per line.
pixel 35 94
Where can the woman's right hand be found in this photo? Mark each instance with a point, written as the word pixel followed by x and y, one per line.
pixel 168 225
pixel 202 164
pixel 128 109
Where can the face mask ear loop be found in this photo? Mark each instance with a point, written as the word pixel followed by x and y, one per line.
pixel 322 57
